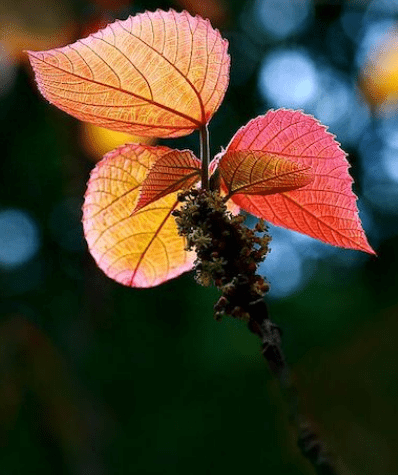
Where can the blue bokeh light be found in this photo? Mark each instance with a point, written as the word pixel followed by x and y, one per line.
pixel 334 99
pixel 388 132
pixel 379 171
pixel 19 238
pixel 388 128
pixel 291 262
pixel 282 18
pixel 385 7
pixel 389 160
pixel 374 34
pixel 283 268
pixel 292 79
pixel 340 106
pixel 288 78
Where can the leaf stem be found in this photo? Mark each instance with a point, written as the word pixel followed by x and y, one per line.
pixel 205 155
pixel 227 197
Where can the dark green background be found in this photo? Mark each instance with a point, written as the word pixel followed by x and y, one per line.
pixel 101 379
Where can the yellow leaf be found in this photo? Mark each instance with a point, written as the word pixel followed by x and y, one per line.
pixel 140 250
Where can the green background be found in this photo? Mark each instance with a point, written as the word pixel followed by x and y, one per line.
pixel 101 379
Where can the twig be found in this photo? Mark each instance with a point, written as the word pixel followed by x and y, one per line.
pixel 309 443
pixel 205 155
pixel 228 254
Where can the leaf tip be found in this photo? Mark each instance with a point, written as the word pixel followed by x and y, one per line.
pixel 32 55
pixel 368 249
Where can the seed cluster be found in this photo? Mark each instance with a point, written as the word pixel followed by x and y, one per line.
pixel 228 252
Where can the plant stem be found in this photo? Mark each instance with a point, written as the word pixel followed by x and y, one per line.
pixel 309 443
pixel 228 254
pixel 205 155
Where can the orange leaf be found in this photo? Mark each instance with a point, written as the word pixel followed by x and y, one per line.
pixel 259 173
pixel 142 250
pixel 158 74
pixel 177 170
pixel 325 209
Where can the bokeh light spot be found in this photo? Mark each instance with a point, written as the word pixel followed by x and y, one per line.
pixel 283 268
pixel 386 7
pixel 389 158
pixel 19 238
pixel 288 78
pixel 374 33
pixel 378 175
pixel 282 18
pixel 291 78
pixel 388 133
pixel 97 141
pixel 335 98
pixel 340 106
pixel 380 71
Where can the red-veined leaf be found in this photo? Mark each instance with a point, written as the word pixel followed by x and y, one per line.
pixel 177 170
pixel 325 209
pixel 142 250
pixel 262 173
pixel 158 74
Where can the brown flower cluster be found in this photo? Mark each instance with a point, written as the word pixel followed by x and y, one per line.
pixel 228 252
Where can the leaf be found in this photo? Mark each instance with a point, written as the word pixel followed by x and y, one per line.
pixel 177 170
pixel 158 74
pixel 142 250
pixel 259 173
pixel 325 209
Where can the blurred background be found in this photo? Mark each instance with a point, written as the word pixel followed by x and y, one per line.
pixel 99 379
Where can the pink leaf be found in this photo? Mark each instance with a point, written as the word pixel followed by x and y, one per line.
pixel 325 209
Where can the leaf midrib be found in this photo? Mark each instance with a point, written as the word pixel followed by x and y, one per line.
pixel 123 91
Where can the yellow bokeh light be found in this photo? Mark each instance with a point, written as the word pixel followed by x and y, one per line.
pixel 379 77
pixel 97 141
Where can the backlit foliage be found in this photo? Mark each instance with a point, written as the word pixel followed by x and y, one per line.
pixel 164 74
